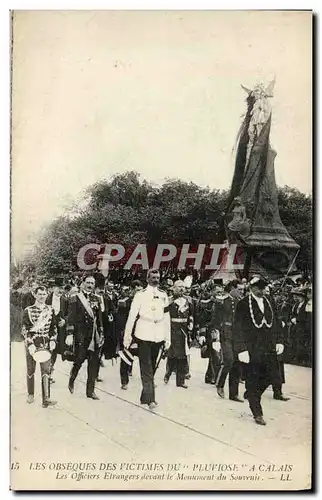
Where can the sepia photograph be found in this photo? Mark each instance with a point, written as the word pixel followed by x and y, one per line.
pixel 161 259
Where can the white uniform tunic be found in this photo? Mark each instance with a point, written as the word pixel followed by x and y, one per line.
pixel 150 306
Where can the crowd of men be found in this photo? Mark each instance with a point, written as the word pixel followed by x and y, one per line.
pixel 246 330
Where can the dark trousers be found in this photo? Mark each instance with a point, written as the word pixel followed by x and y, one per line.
pixel 278 381
pixel 179 366
pixel 125 371
pixel 60 346
pixel 45 373
pixel 187 365
pixel 213 366
pixel 92 367
pixel 259 375
pixel 100 358
pixel 148 353
pixel 53 361
pixel 231 366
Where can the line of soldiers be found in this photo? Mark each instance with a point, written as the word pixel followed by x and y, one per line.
pixel 239 328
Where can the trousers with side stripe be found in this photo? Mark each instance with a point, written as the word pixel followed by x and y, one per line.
pixel 229 365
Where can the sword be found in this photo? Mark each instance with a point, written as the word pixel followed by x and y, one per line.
pixel 161 355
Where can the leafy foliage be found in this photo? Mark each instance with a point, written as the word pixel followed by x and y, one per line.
pixel 130 211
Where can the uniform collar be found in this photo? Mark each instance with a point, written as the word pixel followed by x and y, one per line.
pixel 40 306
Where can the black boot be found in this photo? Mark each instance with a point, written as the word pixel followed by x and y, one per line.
pixel 45 385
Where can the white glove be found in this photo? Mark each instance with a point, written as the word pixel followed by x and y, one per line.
pixel 293 320
pixel 167 345
pixel 32 349
pixel 61 322
pixel 69 340
pixel 52 345
pixel 216 346
pixel 110 318
pixel 202 340
pixel 190 327
pixel 283 324
pixel 244 357
pixel 279 349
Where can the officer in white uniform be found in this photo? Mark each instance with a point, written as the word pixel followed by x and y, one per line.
pixel 149 320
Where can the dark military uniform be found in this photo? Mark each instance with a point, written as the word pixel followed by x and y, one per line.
pixel 224 312
pixel 38 329
pixel 181 317
pixel 302 332
pixel 123 309
pixel 109 314
pixel 205 320
pixel 60 306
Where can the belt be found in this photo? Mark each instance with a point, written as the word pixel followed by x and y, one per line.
pixel 179 320
pixel 150 320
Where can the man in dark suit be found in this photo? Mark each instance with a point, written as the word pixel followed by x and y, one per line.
pixel 301 320
pixel 223 320
pixel 59 303
pixel 123 310
pixel 258 340
pixel 86 331
pixel 208 335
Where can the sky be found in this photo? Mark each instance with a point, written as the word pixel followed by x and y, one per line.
pixel 99 93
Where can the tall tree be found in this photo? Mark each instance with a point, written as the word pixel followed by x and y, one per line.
pixel 129 210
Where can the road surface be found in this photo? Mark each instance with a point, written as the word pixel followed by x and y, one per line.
pixel 200 440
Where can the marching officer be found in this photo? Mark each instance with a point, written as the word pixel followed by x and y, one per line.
pixel 258 340
pixel 124 305
pixel 223 320
pixel 39 332
pixel 99 292
pixel 282 311
pixel 149 313
pixel 301 319
pixel 181 316
pixel 208 335
pixel 59 304
pixel 86 332
pixel 194 295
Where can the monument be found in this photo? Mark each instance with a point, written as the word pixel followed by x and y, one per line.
pixel 252 219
